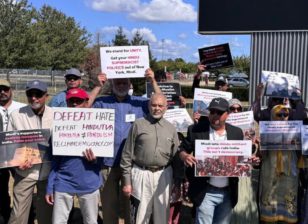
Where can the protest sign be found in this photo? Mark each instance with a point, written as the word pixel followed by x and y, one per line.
pixel 282 85
pixel 124 61
pixel 17 147
pixel 78 129
pixel 229 158
pixel 179 118
pixel 214 57
pixel 203 97
pixel 244 121
pixel 280 135
pixel 304 133
pixel 171 90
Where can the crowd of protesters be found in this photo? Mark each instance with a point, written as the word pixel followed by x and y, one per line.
pixel 151 177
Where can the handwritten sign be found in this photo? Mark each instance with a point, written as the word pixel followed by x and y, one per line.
pixel 179 118
pixel 77 129
pixel 215 57
pixel 17 147
pixel 282 85
pixel 124 61
pixel 280 135
pixel 171 90
pixel 203 97
pixel 229 158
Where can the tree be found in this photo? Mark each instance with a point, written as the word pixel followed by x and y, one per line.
pixel 120 38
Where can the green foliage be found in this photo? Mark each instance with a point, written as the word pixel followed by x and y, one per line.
pixel 120 38
pixel 42 39
pixel 241 65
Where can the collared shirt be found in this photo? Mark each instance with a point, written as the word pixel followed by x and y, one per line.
pixel 58 100
pixel 25 119
pixel 151 143
pixel 131 105
pixel 5 113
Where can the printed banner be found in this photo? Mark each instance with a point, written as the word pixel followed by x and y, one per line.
pixel 124 61
pixel 215 57
pixel 244 121
pixel 280 135
pixel 228 158
pixel 170 89
pixel 203 97
pixel 17 147
pixel 179 118
pixel 282 85
pixel 78 129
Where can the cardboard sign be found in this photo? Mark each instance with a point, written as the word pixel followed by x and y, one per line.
pixel 282 85
pixel 78 129
pixel 170 89
pixel 203 97
pixel 17 147
pixel 124 61
pixel 214 57
pixel 280 135
pixel 179 118
pixel 229 158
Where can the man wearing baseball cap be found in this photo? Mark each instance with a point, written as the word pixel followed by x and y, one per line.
pixel 214 197
pixel 36 115
pixel 75 176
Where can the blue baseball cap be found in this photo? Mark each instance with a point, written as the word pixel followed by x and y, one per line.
pixel 37 84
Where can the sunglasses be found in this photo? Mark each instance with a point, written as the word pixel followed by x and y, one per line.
pixel 4 88
pixel 72 77
pixel 76 101
pixel 282 115
pixel 236 109
pixel 36 94
pixel 218 112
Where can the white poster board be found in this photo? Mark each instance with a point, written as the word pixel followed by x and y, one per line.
pixel 203 97
pixel 245 121
pixel 179 118
pixel 305 139
pixel 78 129
pixel 229 158
pixel 280 135
pixel 124 61
pixel 282 85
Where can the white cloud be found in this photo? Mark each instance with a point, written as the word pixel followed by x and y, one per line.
pixel 108 33
pixel 169 49
pixel 165 10
pixel 114 5
pixel 182 35
pixel 146 34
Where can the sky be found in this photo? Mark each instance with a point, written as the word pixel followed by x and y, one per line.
pixel 170 26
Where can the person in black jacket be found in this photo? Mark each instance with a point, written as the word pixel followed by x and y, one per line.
pixel 214 197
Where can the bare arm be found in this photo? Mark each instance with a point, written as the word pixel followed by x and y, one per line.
pixel 101 77
pixel 149 74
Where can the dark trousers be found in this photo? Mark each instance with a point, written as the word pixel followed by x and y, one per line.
pixel 5 200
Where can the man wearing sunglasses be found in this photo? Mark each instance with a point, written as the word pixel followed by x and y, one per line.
pixel 72 80
pixel 214 197
pixel 36 115
pixel 7 105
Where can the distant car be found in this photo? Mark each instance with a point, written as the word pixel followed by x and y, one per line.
pixel 238 82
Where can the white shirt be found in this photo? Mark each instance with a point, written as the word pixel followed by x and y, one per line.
pixel 5 113
pixel 218 181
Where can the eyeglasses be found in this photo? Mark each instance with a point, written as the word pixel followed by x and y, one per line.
pixel 72 77
pixel 282 115
pixel 239 109
pixel 218 112
pixel 4 88
pixel 36 94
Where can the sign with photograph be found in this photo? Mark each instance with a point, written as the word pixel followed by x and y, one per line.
pixel 214 57
pixel 244 121
pixel 228 158
pixel 179 118
pixel 305 139
pixel 282 85
pixel 17 147
pixel 124 61
pixel 280 135
pixel 203 97
pixel 170 89
pixel 78 129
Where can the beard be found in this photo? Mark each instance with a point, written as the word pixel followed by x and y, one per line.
pixel 119 93
pixel 157 116
pixel 36 106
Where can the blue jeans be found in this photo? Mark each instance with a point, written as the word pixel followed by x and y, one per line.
pixel 215 208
